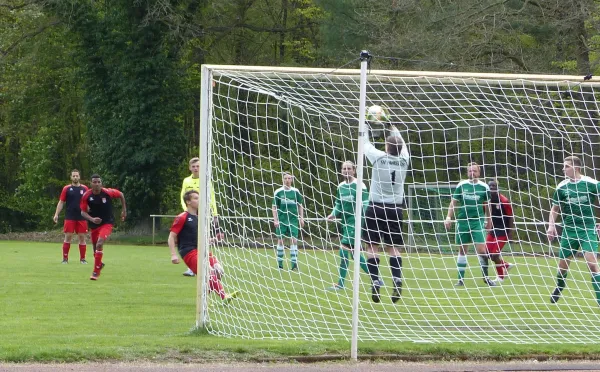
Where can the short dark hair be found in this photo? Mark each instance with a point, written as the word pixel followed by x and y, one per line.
pixel 95 175
pixel 495 181
pixel 394 145
pixel 188 195
pixel 75 170
pixel 575 161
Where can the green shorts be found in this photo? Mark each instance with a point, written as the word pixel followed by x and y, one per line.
pixel 469 232
pixel 348 234
pixel 571 240
pixel 289 230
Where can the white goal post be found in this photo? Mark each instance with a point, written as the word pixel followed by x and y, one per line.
pixel 258 122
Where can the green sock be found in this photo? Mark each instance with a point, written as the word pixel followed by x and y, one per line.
pixel 280 255
pixel 596 286
pixel 484 263
pixel 560 279
pixel 363 264
pixel 294 255
pixel 461 264
pixel 344 255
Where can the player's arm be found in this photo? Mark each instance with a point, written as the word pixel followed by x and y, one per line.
pixel 181 195
pixel 337 207
pixel 508 211
pixel 213 201
pixel 370 151
pixel 301 214
pixel 404 152
pixel 275 214
pixel 172 241
pixel 450 215
pixel 59 208
pixel 83 205
pixel 123 206
pixel 554 211
pixel 488 215
pixel 61 202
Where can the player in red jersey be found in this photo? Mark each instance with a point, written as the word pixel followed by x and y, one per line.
pixel 502 231
pixel 96 207
pixel 184 235
pixel 74 223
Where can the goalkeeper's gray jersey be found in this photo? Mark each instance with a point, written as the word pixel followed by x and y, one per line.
pixel 388 173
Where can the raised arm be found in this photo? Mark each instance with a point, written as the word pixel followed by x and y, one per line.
pixel 370 151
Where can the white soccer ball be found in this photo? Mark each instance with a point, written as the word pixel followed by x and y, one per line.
pixel 377 113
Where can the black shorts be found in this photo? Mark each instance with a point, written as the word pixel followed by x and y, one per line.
pixel 383 223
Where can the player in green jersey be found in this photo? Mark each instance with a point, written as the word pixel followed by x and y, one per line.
pixel 471 197
pixel 344 209
pixel 575 199
pixel 288 218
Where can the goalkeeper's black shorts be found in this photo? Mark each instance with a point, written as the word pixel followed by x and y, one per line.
pixel 383 223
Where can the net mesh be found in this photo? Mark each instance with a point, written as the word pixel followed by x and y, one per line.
pixel 264 123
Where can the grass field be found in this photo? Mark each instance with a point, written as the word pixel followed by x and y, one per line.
pixel 143 308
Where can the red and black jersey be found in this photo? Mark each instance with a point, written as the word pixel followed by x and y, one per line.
pixel 501 214
pixel 100 205
pixel 186 228
pixel 71 196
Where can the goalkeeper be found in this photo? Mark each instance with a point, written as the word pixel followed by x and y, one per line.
pixel 344 208
pixel 575 198
pixel 473 196
pixel 383 217
pixel 184 235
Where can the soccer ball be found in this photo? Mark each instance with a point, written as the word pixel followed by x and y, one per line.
pixel 377 113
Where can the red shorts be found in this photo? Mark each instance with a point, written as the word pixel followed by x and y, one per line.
pixel 191 260
pixel 103 232
pixel 494 244
pixel 75 226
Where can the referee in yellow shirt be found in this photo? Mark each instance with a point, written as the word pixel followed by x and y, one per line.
pixel 193 183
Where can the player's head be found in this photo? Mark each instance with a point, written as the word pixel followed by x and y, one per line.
pixel 96 182
pixel 393 145
pixel 191 199
pixel 288 179
pixel 75 177
pixel 348 170
pixel 493 185
pixel 473 171
pixel 195 166
pixel 572 167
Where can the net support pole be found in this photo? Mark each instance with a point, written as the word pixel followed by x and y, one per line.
pixel 364 60
pixel 202 277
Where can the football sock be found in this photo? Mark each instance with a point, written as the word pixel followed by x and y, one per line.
pixel 294 255
pixel 501 269
pixel 461 264
pixel 363 264
pixel 280 255
pixel 373 265
pixel 344 255
pixel 561 278
pixel 82 249
pixel 596 285
pixel 65 248
pixel 98 261
pixel 484 263
pixel 396 267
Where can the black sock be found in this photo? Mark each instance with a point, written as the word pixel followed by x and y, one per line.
pixel 396 267
pixel 373 265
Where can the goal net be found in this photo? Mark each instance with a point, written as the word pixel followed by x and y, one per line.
pixel 263 122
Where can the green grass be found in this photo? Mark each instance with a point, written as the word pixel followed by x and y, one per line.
pixel 143 308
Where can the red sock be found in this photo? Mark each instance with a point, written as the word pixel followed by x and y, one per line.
pixel 98 261
pixel 82 249
pixel 501 269
pixel 66 248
